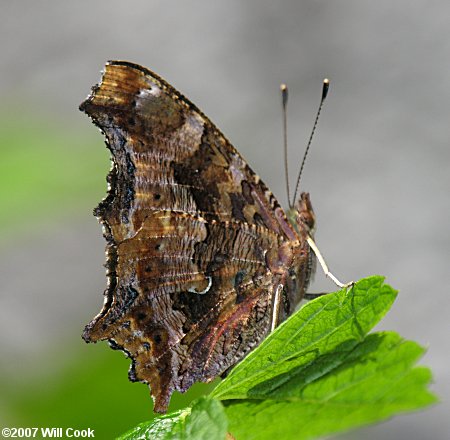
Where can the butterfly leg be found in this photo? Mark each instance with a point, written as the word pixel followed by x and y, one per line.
pixel 324 266
pixel 276 306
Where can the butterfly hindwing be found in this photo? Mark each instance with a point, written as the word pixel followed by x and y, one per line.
pixel 190 298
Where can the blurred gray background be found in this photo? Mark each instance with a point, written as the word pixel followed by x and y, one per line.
pixel 378 171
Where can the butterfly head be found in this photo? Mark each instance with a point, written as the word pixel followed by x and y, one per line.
pixel 302 217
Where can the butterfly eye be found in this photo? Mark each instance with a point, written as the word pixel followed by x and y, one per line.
pixel 156 196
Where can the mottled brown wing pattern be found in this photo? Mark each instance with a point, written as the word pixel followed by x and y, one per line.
pixel 169 156
pixel 186 293
pixel 190 230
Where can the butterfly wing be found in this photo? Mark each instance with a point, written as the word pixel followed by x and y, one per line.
pixel 187 299
pixel 169 156
pixel 188 225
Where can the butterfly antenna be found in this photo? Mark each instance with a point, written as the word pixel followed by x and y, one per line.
pixel 284 99
pixel 326 86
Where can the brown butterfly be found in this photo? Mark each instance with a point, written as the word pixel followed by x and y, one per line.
pixel 202 262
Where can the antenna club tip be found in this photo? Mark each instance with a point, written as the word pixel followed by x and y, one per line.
pixel 284 94
pixel 326 86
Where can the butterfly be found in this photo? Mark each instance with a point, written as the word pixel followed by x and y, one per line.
pixel 202 261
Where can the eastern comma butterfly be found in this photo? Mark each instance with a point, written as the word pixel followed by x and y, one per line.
pixel 202 262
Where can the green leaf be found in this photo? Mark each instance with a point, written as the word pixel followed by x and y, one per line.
pixel 372 382
pixel 205 420
pixel 331 324
pixel 319 373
